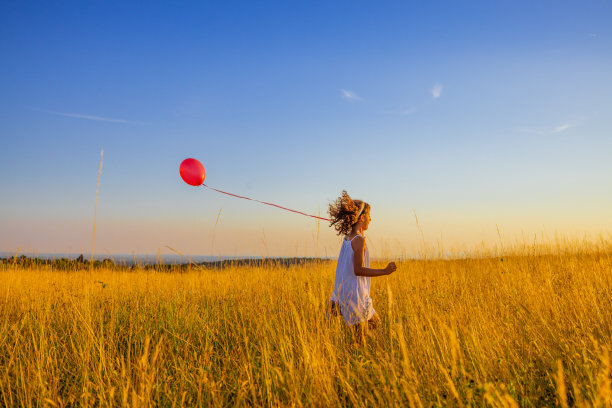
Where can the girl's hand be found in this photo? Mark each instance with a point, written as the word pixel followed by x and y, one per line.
pixel 390 268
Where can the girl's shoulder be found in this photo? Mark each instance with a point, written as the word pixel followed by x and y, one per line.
pixel 350 238
pixel 358 242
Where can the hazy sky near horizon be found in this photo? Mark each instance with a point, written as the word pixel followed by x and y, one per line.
pixel 473 115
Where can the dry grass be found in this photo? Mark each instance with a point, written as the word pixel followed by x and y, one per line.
pixel 528 330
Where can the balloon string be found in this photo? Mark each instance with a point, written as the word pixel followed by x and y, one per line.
pixel 263 202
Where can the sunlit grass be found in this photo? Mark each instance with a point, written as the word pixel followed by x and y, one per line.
pixel 530 329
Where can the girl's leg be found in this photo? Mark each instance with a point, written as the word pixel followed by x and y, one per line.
pixel 374 322
pixel 335 309
pixel 362 328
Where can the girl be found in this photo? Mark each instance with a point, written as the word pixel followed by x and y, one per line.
pixel 351 295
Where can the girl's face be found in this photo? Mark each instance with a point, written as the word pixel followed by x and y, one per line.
pixel 366 221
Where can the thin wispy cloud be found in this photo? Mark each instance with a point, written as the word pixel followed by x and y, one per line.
pixel 563 127
pixel 436 91
pixel 408 112
pixel 549 131
pixel 592 35
pixel 97 118
pixel 350 95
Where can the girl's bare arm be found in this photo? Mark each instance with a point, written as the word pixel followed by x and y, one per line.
pixel 358 245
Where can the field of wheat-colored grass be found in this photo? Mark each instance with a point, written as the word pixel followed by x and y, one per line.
pixel 531 328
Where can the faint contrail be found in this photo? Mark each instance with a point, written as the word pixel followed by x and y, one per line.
pixel 93 117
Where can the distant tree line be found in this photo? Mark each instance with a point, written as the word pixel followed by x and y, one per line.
pixel 79 263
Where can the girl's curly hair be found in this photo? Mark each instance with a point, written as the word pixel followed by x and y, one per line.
pixel 344 212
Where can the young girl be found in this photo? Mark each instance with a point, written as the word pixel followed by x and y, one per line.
pixel 351 295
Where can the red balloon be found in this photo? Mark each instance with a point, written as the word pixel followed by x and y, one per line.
pixel 192 172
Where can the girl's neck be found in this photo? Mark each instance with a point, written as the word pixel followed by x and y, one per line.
pixel 356 231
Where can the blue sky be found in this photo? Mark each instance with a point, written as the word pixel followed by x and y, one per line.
pixel 470 114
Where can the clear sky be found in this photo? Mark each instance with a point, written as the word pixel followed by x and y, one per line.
pixel 473 115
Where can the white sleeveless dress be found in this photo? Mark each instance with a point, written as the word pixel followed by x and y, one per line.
pixel 352 292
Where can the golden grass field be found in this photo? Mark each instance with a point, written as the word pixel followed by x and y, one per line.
pixel 533 328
